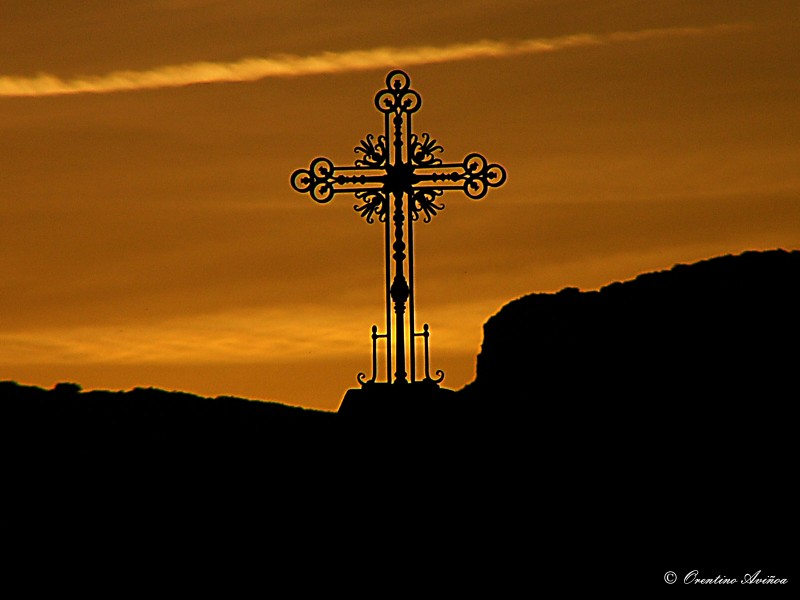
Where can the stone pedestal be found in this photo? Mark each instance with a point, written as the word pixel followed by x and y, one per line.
pixel 397 400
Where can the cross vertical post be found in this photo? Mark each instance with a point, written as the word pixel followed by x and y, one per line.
pixel 398 179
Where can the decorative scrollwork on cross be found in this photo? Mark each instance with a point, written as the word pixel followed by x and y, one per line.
pixel 373 204
pixel 399 172
pixel 375 153
pixel 423 202
pixel 422 152
pixel 317 180
pixel 398 97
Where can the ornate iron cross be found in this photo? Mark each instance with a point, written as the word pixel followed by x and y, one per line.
pixel 399 173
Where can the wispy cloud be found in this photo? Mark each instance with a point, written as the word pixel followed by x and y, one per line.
pixel 253 69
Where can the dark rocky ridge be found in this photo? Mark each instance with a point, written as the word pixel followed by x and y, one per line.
pixel 721 329
pixel 712 334
pixel 664 405
pixel 609 436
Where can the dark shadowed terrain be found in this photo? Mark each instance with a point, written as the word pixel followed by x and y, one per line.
pixel 649 423
pixel 664 406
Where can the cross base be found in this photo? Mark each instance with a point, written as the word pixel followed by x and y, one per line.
pixel 397 400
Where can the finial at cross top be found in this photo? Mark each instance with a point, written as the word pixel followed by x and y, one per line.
pixel 399 170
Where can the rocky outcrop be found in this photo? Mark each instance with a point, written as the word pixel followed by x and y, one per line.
pixel 724 329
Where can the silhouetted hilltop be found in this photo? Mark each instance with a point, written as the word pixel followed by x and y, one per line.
pixel 720 329
pixel 66 417
pixel 608 436
pixel 663 407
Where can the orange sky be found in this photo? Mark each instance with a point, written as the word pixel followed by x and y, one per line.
pixel 150 236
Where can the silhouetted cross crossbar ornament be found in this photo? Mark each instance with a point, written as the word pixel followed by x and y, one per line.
pixel 399 173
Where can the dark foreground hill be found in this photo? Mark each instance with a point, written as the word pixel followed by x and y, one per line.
pixel 681 361
pixel 723 329
pixel 141 416
pixel 609 436
pixel 718 332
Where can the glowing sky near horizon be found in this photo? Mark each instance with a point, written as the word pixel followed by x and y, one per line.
pixel 151 237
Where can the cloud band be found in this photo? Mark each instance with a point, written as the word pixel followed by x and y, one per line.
pixel 254 69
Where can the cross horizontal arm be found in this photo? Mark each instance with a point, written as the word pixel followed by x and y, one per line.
pixel 320 180
pixel 477 175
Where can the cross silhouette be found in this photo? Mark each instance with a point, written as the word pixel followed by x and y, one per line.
pixel 401 171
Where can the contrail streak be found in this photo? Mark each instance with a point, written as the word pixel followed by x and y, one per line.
pixel 286 65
